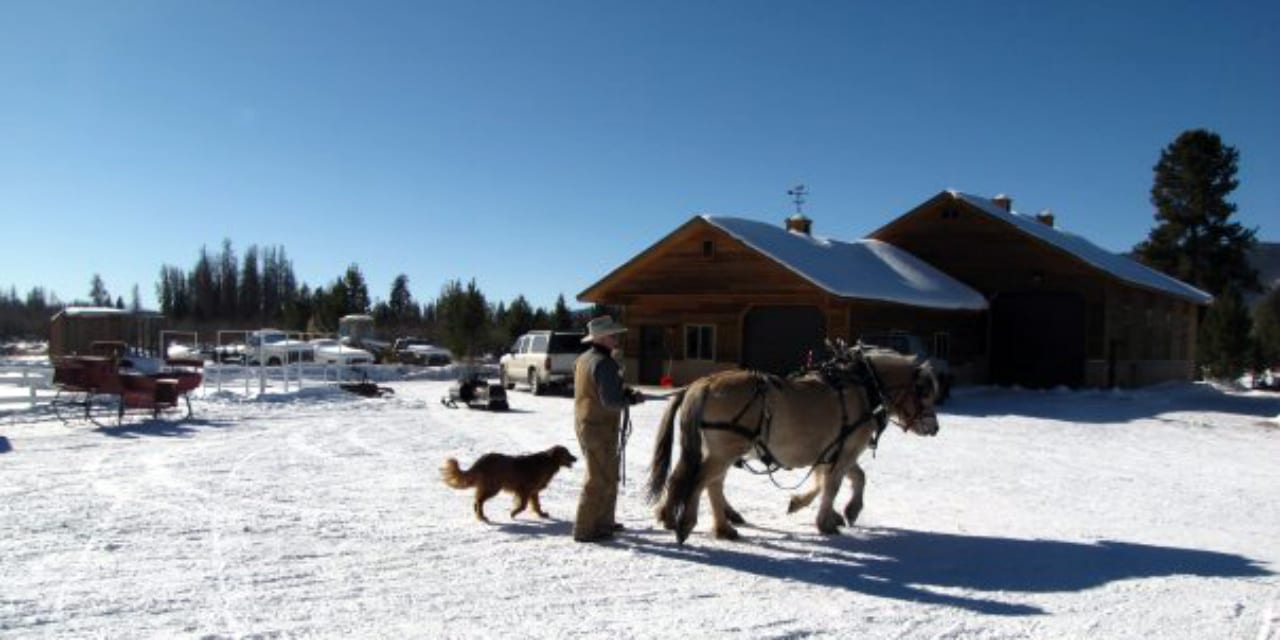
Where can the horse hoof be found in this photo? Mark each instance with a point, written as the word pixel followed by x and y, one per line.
pixel 733 516
pixel 727 533
pixel 683 529
pixel 851 514
pixel 830 524
pixel 794 505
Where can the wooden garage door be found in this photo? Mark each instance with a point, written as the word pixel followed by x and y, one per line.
pixel 1038 340
pixel 777 339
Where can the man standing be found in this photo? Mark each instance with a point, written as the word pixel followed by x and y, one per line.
pixel 599 398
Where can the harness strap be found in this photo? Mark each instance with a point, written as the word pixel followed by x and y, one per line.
pixel 875 398
pixel 757 436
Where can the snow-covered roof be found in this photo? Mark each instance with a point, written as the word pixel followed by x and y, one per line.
pixel 866 269
pixel 94 312
pixel 1119 266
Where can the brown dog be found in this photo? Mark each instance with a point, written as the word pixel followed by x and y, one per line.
pixel 524 476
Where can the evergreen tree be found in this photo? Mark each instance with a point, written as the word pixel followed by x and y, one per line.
pixel 1194 239
pixel 430 327
pixel 1266 328
pixel 273 304
pixel 204 289
pixel 519 319
pixel 400 305
pixel 561 317
pixel 463 317
pixel 355 291
pixel 541 319
pixel 228 285
pixel 251 286
pixel 98 294
pixel 174 295
pixel 1225 346
pixel 119 302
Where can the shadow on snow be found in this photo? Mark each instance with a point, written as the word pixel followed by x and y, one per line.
pixel 1103 406
pixel 159 427
pixel 908 565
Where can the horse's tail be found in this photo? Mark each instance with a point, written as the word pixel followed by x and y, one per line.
pixel 660 465
pixel 684 482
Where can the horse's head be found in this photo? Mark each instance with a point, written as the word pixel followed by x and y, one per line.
pixel 915 406
pixel 910 388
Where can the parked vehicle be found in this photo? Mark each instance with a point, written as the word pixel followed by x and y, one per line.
pixel 542 359
pixel 274 347
pixel 909 344
pixel 331 351
pixel 356 330
pixel 420 352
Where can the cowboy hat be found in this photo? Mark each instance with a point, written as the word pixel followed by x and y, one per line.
pixel 602 326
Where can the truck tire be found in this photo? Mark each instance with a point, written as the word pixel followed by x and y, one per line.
pixel 535 385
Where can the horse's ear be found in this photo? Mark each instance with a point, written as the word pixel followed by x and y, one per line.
pixel 926 382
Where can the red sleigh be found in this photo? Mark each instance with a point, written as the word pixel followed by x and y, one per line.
pixel 104 386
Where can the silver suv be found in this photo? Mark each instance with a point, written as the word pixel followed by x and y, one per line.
pixel 542 359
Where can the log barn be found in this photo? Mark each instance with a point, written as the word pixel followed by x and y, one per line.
pixel 1005 298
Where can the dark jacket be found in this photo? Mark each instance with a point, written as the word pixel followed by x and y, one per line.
pixel 600 396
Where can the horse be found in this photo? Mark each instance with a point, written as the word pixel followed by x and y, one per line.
pixel 823 417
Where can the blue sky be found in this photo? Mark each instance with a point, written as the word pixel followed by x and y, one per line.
pixel 535 146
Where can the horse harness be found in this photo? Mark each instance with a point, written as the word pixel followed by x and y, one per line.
pixel 837 379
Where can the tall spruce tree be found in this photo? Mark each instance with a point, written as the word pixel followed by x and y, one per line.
pixel 400 305
pixel 98 293
pixel 204 288
pixel 519 319
pixel 1266 328
pixel 355 290
pixel 463 316
pixel 227 277
pixel 561 317
pixel 251 286
pixel 1194 239
pixel 1226 347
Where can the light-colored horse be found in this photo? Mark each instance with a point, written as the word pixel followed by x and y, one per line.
pixel 824 418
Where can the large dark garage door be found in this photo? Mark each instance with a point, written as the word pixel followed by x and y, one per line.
pixel 777 339
pixel 1037 340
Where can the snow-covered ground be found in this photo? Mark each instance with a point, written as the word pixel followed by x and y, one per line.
pixel 1144 514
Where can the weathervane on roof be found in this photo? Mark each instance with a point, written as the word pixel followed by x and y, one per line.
pixel 797 194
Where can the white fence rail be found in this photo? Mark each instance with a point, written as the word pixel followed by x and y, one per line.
pixel 21 384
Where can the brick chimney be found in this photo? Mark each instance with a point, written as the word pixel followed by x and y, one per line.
pixel 1004 202
pixel 798 223
pixel 1045 218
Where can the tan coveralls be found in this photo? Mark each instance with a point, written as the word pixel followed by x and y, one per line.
pixel 598 398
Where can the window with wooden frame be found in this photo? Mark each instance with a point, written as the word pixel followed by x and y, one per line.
pixel 700 342
pixel 709 249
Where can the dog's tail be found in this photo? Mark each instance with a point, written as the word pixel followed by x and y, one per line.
pixel 455 477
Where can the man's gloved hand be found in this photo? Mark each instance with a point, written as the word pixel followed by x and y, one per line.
pixel 633 396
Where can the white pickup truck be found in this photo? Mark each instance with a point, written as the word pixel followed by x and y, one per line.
pixel 543 359
pixel 274 347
